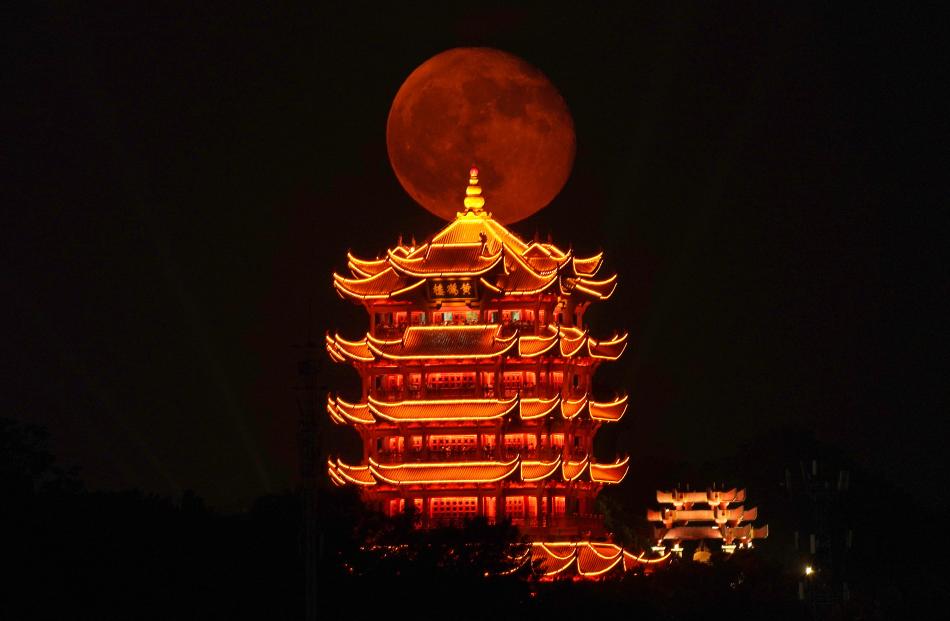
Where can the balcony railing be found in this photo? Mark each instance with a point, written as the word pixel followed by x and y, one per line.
pixel 487 453
pixel 471 392
pixel 396 330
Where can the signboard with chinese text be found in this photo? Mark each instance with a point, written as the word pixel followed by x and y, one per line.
pixel 452 289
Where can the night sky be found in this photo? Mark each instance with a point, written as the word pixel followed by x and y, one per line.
pixel 182 182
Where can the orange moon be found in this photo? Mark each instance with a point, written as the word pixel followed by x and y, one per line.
pixel 487 108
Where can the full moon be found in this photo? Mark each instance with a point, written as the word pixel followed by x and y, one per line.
pixel 487 108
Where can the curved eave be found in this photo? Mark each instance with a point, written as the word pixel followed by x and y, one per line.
pixel 525 263
pixel 356 413
pixel 533 346
pixel 532 409
pixel 570 408
pixel 375 287
pixel 592 563
pixel 610 349
pixel 631 560
pixel 569 346
pixel 388 410
pixel 609 473
pixel 354 350
pixel 587 267
pixel 533 471
pixel 335 475
pixel 463 472
pixel 334 354
pixel 596 289
pixel 332 411
pixel 357 475
pixel 551 560
pixel 572 470
pixel 363 268
pixel 608 412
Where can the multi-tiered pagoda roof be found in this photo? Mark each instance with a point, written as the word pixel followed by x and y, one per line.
pixel 476 380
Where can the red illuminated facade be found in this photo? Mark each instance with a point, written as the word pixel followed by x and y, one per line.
pixel 476 379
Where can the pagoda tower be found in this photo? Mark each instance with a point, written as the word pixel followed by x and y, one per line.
pixel 476 378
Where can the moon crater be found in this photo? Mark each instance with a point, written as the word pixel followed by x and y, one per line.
pixel 488 108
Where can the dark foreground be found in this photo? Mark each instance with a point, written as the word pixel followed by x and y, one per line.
pixel 74 554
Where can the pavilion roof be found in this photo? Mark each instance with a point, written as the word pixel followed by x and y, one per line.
pixel 743 532
pixel 589 559
pixel 595 559
pixel 718 515
pixel 712 497
pixel 476 245
pixel 474 341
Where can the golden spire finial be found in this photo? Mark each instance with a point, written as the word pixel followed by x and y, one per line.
pixel 474 201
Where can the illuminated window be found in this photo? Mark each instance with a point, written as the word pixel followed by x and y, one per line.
pixel 493 317
pixel 396 506
pixel 453 507
pixel 488 440
pixel 489 507
pixel 396 444
pixel 418 319
pixel 532 506
pixel 512 382
pixel 507 316
pixel 514 440
pixel 471 317
pixel 557 440
pixel 416 442
pixel 514 506
pixel 521 441
pixel 449 381
pixel 560 506
pixel 447 442
pixel 400 318
pixel 557 378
